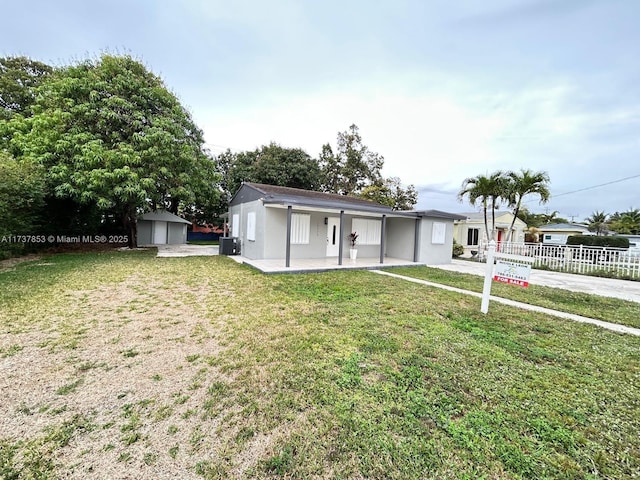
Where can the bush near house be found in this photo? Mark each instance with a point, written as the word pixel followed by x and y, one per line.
pixel 596 241
pixel 458 249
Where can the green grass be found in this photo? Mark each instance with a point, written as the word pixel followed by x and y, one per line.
pixel 608 309
pixel 332 375
pixel 203 242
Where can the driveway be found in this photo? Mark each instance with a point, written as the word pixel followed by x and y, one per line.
pixel 187 250
pixel 607 287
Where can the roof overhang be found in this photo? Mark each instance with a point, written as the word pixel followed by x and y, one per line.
pixel 335 209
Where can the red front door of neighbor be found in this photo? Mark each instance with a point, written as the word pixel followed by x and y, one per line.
pixel 499 240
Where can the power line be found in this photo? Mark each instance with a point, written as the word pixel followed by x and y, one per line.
pixel 596 186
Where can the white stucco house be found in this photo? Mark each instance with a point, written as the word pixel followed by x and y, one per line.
pixel 272 222
pixel 470 230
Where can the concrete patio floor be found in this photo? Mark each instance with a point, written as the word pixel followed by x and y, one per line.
pixel 322 264
pixel 278 265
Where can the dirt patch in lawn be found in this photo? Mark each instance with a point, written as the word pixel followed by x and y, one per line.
pixel 128 368
pixel 10 263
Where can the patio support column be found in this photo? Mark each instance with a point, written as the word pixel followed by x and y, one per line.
pixel 382 236
pixel 416 241
pixel 341 237
pixel 288 248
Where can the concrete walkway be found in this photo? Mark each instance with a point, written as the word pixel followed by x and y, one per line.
pixel 606 287
pixel 187 250
pixel 614 327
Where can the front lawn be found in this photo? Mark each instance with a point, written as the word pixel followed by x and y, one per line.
pixel 125 365
pixel 609 309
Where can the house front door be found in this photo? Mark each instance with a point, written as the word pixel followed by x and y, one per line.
pixel 333 236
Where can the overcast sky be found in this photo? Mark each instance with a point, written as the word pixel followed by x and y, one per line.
pixel 442 89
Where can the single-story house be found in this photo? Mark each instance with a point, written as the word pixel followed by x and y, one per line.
pixel 470 231
pixel 162 228
pixel 634 240
pixel 557 233
pixel 634 243
pixel 272 222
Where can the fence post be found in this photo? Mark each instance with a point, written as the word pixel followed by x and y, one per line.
pixel 488 274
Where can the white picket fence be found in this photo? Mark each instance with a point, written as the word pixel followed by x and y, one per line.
pixel 615 262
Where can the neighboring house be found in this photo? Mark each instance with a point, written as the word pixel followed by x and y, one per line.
pixel 634 242
pixel 162 228
pixel 470 231
pixel 557 233
pixel 272 222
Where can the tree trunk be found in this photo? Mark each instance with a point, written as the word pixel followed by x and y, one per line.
pixel 513 222
pixel 131 225
pixel 493 218
pixel 486 223
pixel 173 205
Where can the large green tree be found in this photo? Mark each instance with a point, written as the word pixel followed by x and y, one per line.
pixel 109 133
pixel 352 167
pixel 390 192
pixel 270 164
pixel 520 184
pixel 22 190
pixel 19 78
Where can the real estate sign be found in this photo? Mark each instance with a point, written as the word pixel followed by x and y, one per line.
pixel 513 273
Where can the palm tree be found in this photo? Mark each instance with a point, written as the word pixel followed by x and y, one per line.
pixel 553 217
pixel 597 222
pixel 487 189
pixel 626 222
pixel 521 184
pixel 499 184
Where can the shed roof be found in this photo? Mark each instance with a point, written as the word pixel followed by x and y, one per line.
pixel 163 216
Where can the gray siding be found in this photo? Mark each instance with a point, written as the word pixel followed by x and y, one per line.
pixel 144 232
pixel 434 254
pixel 253 249
pixel 177 233
pixel 276 235
pixel 271 229
pixel 400 238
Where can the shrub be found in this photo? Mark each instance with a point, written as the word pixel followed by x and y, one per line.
pixel 457 249
pixel 596 241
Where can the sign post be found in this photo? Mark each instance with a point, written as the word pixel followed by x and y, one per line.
pixel 486 289
pixel 510 269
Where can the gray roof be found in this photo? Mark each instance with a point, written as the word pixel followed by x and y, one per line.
pixel 272 194
pixel 295 196
pixel 441 214
pixel 163 216
pixel 564 226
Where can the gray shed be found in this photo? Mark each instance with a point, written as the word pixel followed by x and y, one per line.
pixel 162 228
